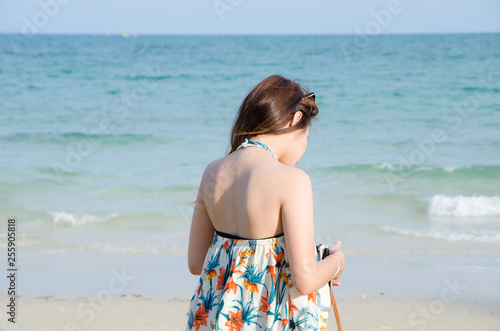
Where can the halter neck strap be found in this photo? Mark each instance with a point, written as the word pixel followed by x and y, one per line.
pixel 247 143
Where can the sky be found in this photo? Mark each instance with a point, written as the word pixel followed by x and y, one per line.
pixel 249 16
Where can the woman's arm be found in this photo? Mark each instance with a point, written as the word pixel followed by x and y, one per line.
pixel 201 233
pixel 308 275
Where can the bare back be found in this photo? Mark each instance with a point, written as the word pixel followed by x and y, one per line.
pixel 243 193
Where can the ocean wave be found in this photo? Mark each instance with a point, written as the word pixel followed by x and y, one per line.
pixel 146 77
pixel 78 219
pixel 66 137
pixel 481 89
pixel 445 235
pixel 446 168
pixel 450 171
pixel 463 206
pixel 141 221
pixel 389 167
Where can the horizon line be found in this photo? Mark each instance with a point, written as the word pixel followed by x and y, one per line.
pixel 134 34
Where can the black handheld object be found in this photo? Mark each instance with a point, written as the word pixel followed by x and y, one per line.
pixel 322 251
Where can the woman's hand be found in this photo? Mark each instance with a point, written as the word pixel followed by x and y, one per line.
pixel 335 250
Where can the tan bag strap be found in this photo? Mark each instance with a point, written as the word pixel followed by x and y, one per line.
pixel 334 304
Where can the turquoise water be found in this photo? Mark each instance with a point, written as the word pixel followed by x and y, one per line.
pixel 103 140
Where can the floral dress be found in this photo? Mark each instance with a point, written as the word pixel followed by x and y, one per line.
pixel 246 285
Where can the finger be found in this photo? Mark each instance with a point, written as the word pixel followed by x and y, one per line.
pixel 334 283
pixel 335 246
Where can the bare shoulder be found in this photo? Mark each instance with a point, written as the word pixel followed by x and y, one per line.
pixel 209 174
pixel 293 173
pixel 212 166
pixel 293 179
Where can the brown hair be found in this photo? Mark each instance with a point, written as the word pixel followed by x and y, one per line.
pixel 269 107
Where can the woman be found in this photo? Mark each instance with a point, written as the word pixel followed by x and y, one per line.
pixel 252 233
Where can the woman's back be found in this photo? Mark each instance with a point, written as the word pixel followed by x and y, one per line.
pixel 244 192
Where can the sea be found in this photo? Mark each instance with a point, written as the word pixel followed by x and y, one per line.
pixel 103 141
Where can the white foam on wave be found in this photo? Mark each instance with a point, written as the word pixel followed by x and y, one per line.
pixel 385 166
pixel 446 235
pixel 453 168
pixel 463 206
pixel 403 167
pixel 75 219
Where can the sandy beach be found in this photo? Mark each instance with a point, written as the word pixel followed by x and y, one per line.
pixel 140 313
pixel 151 292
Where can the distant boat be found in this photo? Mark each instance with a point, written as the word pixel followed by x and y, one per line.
pixel 125 34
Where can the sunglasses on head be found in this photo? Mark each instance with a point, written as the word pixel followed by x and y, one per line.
pixel 310 95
